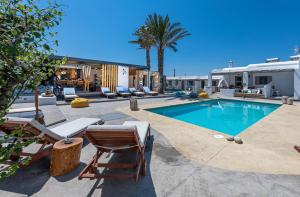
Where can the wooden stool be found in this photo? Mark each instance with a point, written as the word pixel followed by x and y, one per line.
pixel 65 157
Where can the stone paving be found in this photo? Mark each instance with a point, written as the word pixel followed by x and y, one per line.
pixel 168 172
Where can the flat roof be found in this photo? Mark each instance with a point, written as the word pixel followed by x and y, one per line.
pixel 261 67
pixel 204 77
pixel 93 61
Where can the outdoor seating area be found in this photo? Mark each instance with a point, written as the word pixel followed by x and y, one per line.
pixel 149 98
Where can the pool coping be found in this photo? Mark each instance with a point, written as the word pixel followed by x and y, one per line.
pixel 266 148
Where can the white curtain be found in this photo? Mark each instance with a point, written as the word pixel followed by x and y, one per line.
pixel 245 80
pixel 86 71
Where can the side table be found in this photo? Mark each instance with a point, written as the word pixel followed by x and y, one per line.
pixel 65 157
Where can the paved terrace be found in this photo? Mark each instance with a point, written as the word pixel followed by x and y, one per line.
pixel 169 173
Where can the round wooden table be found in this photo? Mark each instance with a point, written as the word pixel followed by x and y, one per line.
pixel 65 157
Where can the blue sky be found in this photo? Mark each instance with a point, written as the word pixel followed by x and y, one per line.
pixel 246 31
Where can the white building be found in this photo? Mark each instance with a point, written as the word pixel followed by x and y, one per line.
pixel 273 78
pixel 194 83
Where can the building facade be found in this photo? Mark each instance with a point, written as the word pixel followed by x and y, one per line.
pixel 88 75
pixel 273 78
pixel 191 83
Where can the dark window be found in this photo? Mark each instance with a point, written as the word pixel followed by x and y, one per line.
pixel 214 83
pixel 190 83
pixel 263 80
pixel 238 81
pixel 176 82
pixel 170 83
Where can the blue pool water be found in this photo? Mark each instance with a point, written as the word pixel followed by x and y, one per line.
pixel 227 116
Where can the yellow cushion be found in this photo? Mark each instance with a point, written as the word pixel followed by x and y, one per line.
pixel 203 95
pixel 80 102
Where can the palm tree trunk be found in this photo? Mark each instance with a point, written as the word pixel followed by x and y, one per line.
pixel 160 56
pixel 148 66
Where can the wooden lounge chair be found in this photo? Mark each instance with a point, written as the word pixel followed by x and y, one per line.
pixel 123 91
pixel 69 94
pixel 134 92
pixel 132 135
pixel 149 92
pixel 74 128
pixel 106 92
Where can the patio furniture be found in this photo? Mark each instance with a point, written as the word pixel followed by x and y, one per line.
pixel 69 94
pixel 290 101
pixel 48 136
pixel 65 157
pixel 149 92
pixel 284 99
pixel 132 135
pixel 134 92
pixel 123 91
pixel 106 91
pixel 80 103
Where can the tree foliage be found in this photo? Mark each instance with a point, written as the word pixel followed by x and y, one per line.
pixel 163 34
pixel 27 39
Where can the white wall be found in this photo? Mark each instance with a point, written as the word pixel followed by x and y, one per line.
pixel 123 76
pixel 283 81
pixel 297 83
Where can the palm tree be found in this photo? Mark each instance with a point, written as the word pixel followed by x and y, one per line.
pixel 166 35
pixel 145 41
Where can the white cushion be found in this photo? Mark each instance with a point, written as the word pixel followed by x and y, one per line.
pixel 74 127
pixel 105 90
pixel 69 91
pixel 70 96
pixel 142 128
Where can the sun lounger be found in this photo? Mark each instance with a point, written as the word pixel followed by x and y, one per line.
pixel 123 91
pixel 149 92
pixel 134 92
pixel 132 135
pixel 69 94
pixel 74 128
pixel 106 92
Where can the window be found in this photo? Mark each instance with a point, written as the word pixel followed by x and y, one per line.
pixel 263 80
pixel 169 82
pixel 214 83
pixel 176 83
pixel 190 83
pixel 238 81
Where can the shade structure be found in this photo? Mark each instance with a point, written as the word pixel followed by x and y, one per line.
pixel 245 80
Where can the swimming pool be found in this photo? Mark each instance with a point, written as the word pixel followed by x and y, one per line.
pixel 227 116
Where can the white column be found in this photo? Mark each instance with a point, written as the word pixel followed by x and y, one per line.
pixel 297 83
pixel 209 80
pixel 245 80
pixel 208 88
